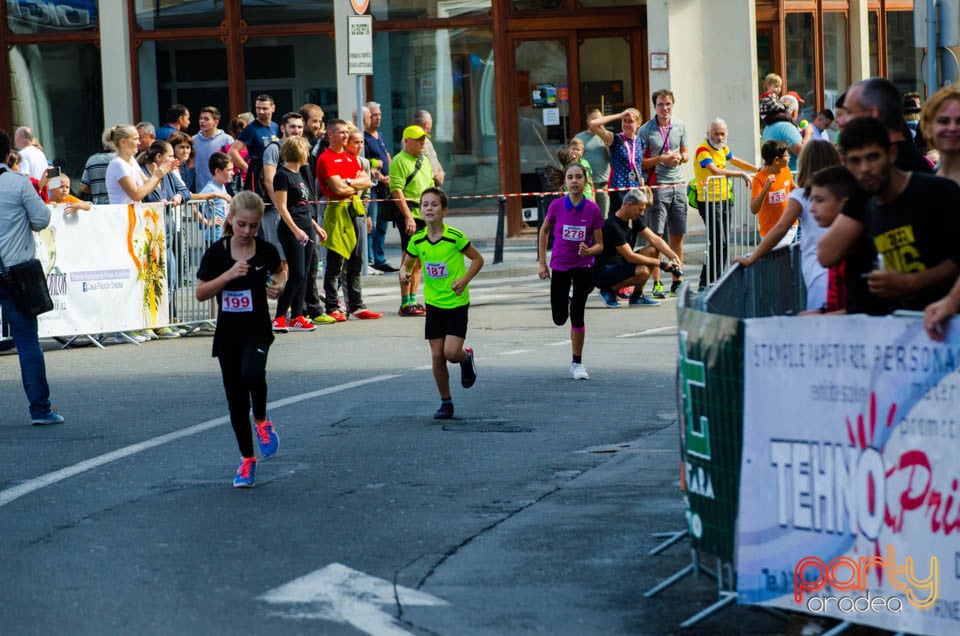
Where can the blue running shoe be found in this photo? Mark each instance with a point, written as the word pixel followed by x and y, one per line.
pixel 445 412
pixel 267 439
pixel 53 418
pixel 643 300
pixel 609 298
pixel 245 473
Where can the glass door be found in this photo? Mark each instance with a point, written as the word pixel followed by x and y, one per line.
pixel 543 114
pixel 606 74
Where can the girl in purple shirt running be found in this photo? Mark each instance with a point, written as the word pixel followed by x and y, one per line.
pixel 577 226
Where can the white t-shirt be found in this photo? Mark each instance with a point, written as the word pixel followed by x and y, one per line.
pixel 118 169
pixel 33 162
pixel 812 269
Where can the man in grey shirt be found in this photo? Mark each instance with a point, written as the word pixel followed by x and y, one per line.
pixel 666 140
pixel 21 213
pixel 598 156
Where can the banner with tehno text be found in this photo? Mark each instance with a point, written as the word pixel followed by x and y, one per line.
pixel 106 269
pixel 849 500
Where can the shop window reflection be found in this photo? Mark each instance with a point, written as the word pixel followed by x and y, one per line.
pixel 56 91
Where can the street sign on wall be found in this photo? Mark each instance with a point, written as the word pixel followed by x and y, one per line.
pixel 360 45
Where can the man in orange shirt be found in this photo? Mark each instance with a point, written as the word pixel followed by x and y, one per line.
pixel 771 188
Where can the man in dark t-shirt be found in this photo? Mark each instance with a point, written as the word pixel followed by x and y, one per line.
pixel 618 265
pixel 910 218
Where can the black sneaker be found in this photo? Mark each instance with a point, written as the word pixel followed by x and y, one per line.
pixel 445 412
pixel 468 369
pixel 384 267
pixel 675 285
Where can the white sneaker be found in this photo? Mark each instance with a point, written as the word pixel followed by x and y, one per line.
pixel 578 371
pixel 119 338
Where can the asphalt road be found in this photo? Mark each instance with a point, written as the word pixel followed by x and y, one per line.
pixel 531 512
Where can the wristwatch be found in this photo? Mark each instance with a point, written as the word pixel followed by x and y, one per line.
pixel 349 184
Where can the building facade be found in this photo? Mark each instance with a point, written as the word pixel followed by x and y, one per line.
pixel 507 81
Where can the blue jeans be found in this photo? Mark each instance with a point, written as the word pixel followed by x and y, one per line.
pixel 376 240
pixel 33 372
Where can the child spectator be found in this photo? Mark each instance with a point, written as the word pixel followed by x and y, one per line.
pixel 828 191
pixel 221 173
pixel 575 152
pixel 770 98
pixel 771 187
pixel 60 193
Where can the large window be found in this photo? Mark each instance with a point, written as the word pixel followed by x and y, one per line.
pixel 171 14
pixel 835 46
pixel 448 72
pixel 286 12
pixel 31 16
pixel 56 91
pixel 294 71
pixel 801 76
pixel 903 60
pixel 874 25
pixel 418 9
pixel 188 72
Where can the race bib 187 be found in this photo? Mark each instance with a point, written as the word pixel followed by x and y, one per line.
pixel 237 301
pixel 435 270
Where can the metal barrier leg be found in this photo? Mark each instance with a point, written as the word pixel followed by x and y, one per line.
pixel 670 580
pixel 89 337
pixel 672 537
pixel 726 598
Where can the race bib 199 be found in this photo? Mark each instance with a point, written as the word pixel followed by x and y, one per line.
pixel 237 301
pixel 574 233
pixel 435 270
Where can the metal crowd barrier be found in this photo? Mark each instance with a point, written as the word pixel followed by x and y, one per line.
pixel 731 229
pixel 710 393
pixel 190 231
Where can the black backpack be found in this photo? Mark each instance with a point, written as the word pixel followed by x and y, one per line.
pixel 253 182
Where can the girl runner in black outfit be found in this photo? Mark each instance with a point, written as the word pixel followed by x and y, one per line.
pixel 237 270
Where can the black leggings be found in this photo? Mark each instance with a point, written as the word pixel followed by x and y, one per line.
pixel 298 257
pixel 582 280
pixel 244 370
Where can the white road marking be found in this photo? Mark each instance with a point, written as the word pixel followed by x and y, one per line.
pixel 344 595
pixel 31 485
pixel 514 352
pixel 558 344
pixel 647 332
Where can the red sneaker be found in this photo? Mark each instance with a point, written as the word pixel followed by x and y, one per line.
pixel 301 324
pixel 337 315
pixel 365 314
pixel 280 325
pixel 419 310
pixel 625 292
pixel 406 310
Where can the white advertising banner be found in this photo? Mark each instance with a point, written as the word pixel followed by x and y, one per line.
pixel 106 269
pixel 849 501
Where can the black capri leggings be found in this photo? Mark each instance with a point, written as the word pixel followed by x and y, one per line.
pixel 244 370
pixel 560 281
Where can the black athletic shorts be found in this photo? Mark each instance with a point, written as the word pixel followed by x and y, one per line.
pixel 445 322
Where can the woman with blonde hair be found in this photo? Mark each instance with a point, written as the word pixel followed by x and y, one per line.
pixel 817 154
pixel 296 233
pixel 940 126
pixel 125 181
